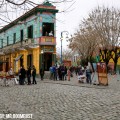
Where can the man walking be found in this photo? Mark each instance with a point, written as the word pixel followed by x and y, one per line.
pixel 22 75
pixel 41 73
pixel 34 75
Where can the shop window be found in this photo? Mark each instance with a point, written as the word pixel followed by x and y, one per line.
pixel 30 31
pixel 48 29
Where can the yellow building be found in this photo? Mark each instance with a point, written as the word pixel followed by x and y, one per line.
pixel 30 40
pixel 111 61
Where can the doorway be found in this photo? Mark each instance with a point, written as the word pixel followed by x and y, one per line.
pixel 7 65
pixel 29 60
pixel 47 61
pixel 21 61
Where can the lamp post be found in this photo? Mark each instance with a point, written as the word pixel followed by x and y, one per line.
pixel 61 41
pixel 42 59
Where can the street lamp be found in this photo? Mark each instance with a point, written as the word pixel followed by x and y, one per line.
pixel 42 59
pixel 61 41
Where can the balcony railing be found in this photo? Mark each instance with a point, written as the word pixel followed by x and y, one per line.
pixel 21 45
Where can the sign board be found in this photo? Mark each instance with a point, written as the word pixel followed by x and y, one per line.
pixel 48 40
pixel 102 73
pixel 48 48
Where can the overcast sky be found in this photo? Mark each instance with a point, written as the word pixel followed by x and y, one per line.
pixel 76 11
pixel 69 21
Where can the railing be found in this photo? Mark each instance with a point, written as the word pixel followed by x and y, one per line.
pixel 20 44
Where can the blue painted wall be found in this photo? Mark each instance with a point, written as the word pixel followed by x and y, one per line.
pixel 33 20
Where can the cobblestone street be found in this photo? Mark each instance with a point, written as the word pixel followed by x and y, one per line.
pixel 53 100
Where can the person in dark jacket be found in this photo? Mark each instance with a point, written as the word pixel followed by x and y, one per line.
pixel 41 73
pixel 29 75
pixel 34 75
pixel 65 78
pixel 19 74
pixel 22 75
pixel 62 69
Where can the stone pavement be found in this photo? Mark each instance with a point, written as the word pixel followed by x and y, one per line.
pixel 112 81
pixel 62 100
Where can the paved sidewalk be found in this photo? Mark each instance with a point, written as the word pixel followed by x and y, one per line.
pixel 62 100
pixel 112 83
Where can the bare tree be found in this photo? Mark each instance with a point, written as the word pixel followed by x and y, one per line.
pixel 12 9
pixel 106 22
pixel 101 29
pixel 67 54
pixel 84 42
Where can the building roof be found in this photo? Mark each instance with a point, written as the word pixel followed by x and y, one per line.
pixel 45 7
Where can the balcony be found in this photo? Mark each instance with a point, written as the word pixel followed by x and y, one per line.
pixel 21 45
pixel 47 40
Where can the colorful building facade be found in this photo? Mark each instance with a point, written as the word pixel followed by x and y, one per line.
pixel 30 40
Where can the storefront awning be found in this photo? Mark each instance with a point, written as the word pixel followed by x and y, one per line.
pixel 18 57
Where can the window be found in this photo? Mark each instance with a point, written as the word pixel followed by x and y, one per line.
pixel 21 35
pixel 48 29
pixel 14 37
pixel 7 40
pixel 30 31
pixel 1 43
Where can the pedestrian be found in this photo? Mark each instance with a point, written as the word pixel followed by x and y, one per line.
pixel 34 75
pixel 19 74
pixel 41 73
pixel 29 75
pixel 62 69
pixel 54 73
pixel 59 73
pixel 76 70
pixel 65 77
pixel 51 72
pixel 88 74
pixel 22 75
pixel 68 74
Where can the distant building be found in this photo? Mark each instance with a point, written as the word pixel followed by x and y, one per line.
pixel 24 41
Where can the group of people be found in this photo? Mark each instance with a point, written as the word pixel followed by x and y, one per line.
pixel 56 73
pixel 30 72
pixel 49 34
pixel 84 73
pixel 60 73
pixel 65 73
